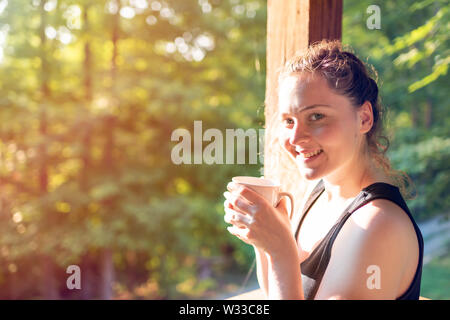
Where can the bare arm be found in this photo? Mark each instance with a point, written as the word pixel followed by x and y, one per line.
pixel 261 270
pixel 284 274
pixel 270 232
pixel 266 267
pixel 370 254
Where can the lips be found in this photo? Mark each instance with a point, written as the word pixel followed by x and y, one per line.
pixel 308 155
pixel 311 154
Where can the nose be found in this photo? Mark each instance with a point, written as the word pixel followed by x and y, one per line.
pixel 299 135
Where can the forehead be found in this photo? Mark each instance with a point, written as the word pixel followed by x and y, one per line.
pixel 298 91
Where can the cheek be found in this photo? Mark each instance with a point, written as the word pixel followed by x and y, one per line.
pixel 337 137
pixel 325 135
pixel 283 138
pixel 332 137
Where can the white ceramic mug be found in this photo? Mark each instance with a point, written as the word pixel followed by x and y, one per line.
pixel 267 188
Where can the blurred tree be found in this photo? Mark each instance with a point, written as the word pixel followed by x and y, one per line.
pixel 94 91
pixel 90 94
pixel 411 54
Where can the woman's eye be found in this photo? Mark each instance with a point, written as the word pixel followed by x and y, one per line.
pixel 316 116
pixel 288 121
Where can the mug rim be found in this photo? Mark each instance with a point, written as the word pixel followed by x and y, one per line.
pixel 274 183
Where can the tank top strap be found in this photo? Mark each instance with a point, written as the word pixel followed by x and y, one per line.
pixel 315 193
pixel 378 190
pixel 314 267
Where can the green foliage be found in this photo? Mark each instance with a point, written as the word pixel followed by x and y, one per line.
pixel 91 92
pixel 424 162
pixel 436 279
pixel 411 54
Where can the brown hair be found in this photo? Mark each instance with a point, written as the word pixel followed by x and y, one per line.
pixel 349 76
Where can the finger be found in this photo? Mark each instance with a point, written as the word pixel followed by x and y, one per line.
pixel 230 217
pixel 245 192
pixel 239 203
pixel 227 204
pixel 282 206
pixel 240 233
pixel 238 219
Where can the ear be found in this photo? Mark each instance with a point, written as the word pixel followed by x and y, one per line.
pixel 365 117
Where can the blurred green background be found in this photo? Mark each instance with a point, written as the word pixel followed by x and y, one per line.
pixel 90 93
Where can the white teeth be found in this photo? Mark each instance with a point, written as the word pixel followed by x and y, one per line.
pixel 309 155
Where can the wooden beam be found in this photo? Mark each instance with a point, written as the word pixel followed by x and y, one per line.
pixel 325 20
pixel 292 25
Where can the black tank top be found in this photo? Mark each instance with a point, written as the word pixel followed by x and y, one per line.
pixel 313 268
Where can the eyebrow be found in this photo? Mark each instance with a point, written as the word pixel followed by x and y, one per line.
pixel 306 108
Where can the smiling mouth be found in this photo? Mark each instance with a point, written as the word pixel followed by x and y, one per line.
pixel 310 155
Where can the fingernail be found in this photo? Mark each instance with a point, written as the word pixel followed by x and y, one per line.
pixel 231 185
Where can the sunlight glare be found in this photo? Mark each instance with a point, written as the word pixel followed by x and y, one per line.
pixel 127 12
pixel 3 5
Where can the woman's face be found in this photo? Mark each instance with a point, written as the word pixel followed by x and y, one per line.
pixel 314 119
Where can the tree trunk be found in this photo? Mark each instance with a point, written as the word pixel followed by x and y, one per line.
pixel 414 117
pixel 13 284
pixel 87 64
pixel 48 285
pixel 88 279
pixel 291 26
pixel 115 40
pixel 107 265
pixel 107 274
pixel 428 114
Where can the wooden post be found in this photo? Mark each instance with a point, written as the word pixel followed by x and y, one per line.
pixel 291 26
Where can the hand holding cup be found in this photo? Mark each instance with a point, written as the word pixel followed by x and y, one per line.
pixel 257 211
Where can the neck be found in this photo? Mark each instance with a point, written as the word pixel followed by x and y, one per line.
pixel 348 181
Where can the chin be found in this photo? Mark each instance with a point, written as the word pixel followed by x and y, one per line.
pixel 309 174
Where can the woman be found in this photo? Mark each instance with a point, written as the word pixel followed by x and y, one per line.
pixel 356 238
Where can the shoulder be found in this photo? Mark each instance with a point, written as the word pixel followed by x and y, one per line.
pixel 379 211
pixel 380 224
pixel 378 236
pixel 382 218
